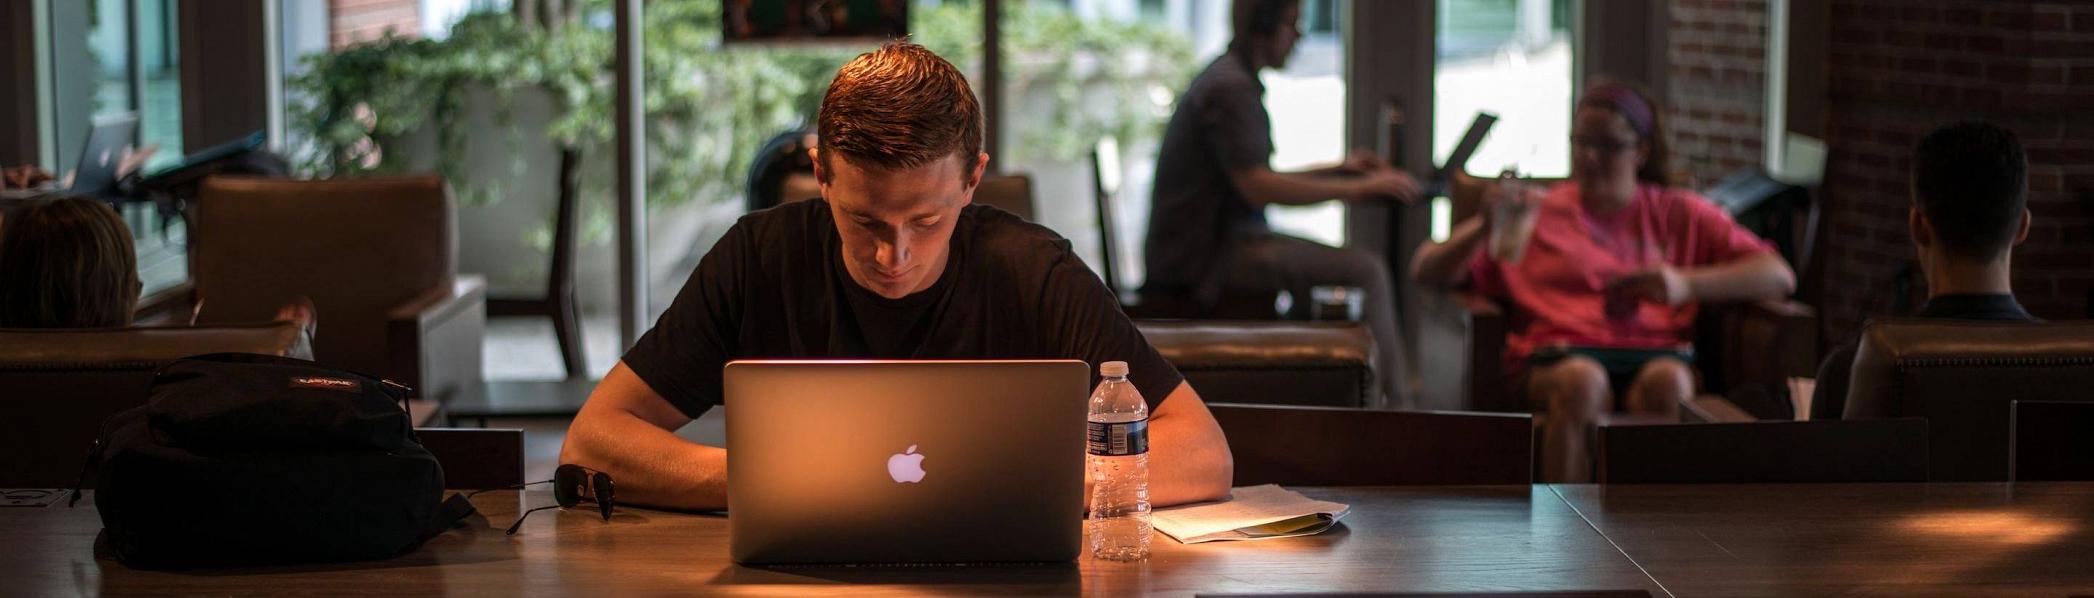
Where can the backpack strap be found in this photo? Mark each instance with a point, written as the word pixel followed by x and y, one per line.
pixel 455 509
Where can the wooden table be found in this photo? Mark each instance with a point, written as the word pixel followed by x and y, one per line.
pixel 1886 539
pixel 1826 539
pixel 1417 539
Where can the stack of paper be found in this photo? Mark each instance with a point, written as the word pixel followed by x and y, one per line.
pixel 1251 513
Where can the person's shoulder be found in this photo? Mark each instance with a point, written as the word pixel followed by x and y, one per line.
pixel 1681 202
pixel 1226 75
pixel 1009 244
pixel 1673 197
pixel 784 222
pixel 1005 233
pixel 1675 193
pixel 775 238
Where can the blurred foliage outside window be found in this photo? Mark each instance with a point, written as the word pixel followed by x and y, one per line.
pixel 708 107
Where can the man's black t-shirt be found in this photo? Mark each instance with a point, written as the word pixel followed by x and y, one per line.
pixel 775 287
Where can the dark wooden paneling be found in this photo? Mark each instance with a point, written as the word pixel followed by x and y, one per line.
pixel 1968 405
pixel 1873 450
pixel 1810 38
pixel 2050 441
pixel 1361 447
pixel 224 71
pixel 475 458
pixel 18 123
pixel 1626 40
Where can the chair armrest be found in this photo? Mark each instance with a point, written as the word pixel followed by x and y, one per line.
pixel 1778 308
pixel 437 335
pixel 1488 388
pixel 1768 342
pixel 1713 409
pixel 169 307
pixel 1266 362
pixel 441 303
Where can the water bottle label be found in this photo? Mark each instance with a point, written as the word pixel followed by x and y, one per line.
pixel 1119 439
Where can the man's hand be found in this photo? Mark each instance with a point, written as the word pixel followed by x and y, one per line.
pixel 1661 284
pixel 1494 192
pixel 1385 182
pixel 1362 161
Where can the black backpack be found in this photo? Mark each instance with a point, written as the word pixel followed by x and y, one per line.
pixel 240 459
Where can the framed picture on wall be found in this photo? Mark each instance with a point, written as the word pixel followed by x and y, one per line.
pixel 756 21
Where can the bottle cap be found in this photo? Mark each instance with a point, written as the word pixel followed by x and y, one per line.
pixel 1113 369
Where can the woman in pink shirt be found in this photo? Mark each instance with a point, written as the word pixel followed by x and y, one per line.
pixel 1601 302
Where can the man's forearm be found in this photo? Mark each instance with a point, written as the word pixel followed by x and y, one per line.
pixel 1761 276
pixel 650 465
pixel 1189 460
pixel 1294 189
pixel 1183 469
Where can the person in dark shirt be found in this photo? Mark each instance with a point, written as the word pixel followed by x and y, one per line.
pixel 1207 229
pixel 1970 208
pixel 892 262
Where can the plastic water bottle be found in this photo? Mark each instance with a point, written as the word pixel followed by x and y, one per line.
pixel 1119 468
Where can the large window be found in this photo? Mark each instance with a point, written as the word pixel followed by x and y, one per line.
pixel 1080 71
pixel 1511 58
pixel 111 58
pixel 493 94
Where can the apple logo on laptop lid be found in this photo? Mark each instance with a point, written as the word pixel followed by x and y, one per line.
pixel 906 467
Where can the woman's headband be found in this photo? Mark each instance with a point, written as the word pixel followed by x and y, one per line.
pixel 1626 102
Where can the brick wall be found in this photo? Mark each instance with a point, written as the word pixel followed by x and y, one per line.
pixel 1900 68
pixel 1716 85
pixel 353 21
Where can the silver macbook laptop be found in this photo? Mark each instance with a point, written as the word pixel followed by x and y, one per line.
pixel 874 462
pixel 107 143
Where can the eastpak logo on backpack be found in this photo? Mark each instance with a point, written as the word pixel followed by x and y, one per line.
pixel 343 384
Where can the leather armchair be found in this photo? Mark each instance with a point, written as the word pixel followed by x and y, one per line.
pixel 1761 342
pixel 1284 363
pixel 378 257
pixel 57 386
pixel 1009 192
pixel 1963 377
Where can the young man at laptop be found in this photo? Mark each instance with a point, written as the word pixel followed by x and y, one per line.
pixel 892 262
pixel 1969 210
